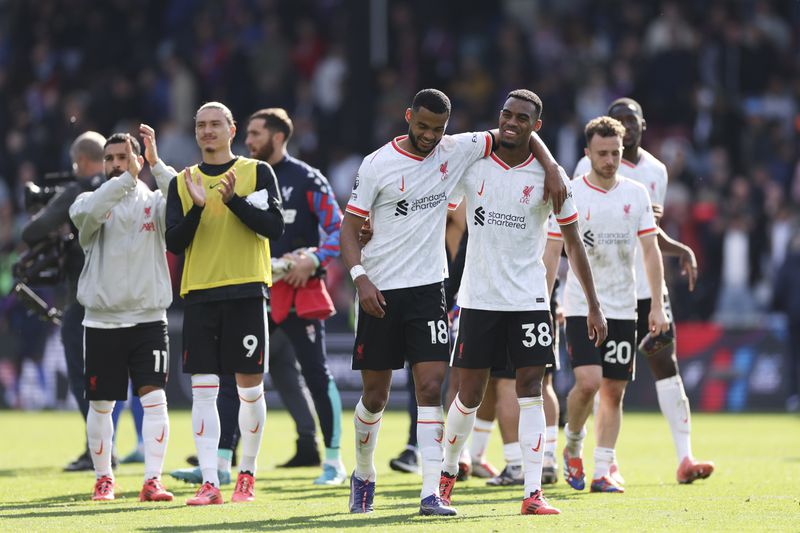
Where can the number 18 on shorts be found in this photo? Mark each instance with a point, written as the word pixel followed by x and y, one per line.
pixel 503 339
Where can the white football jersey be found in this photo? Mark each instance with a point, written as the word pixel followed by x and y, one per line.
pixel 651 173
pixel 405 197
pixel 610 224
pixel 507 224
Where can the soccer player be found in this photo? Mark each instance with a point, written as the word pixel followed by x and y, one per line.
pixel 222 214
pixel 403 188
pixel 641 166
pixel 507 410
pixel 505 308
pixel 309 206
pixel 614 213
pixel 125 289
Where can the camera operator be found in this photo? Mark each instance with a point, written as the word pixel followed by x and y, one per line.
pixel 86 154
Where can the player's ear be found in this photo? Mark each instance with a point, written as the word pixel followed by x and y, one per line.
pixel 408 115
pixel 586 151
pixel 644 124
pixel 537 125
pixel 233 130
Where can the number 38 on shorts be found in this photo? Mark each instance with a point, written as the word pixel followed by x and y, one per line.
pixel 493 339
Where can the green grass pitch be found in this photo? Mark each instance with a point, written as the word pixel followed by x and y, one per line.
pixel 756 485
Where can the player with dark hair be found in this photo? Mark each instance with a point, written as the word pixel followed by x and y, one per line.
pixel 401 316
pixel 125 288
pixel 641 166
pixel 309 206
pixel 505 310
pixel 225 236
pixel 615 213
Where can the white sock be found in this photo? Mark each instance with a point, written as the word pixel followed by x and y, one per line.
pixel 531 441
pixel 205 424
pixel 155 432
pixel 100 434
pixel 252 415
pixel 550 441
pixel 430 429
pixel 367 425
pixel 479 440
pixel 460 420
pixel 574 441
pixel 675 407
pixel 512 453
pixel 603 457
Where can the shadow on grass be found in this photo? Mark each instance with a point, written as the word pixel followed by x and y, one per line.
pixel 30 471
pixel 336 521
pixel 53 511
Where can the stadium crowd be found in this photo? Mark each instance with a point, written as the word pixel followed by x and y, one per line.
pixel 719 81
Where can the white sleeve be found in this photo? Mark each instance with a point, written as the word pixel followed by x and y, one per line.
pixel 569 211
pixel 659 195
pixel 365 190
pixel 90 210
pixel 163 174
pixel 457 195
pixel 647 224
pixel 473 145
pixel 553 229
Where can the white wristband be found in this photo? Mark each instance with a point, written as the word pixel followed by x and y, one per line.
pixel 356 271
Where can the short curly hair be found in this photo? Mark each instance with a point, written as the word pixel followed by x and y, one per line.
pixel 604 127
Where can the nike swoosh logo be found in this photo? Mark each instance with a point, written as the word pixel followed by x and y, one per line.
pixel 453 440
pixel 161 438
pixel 254 430
pixel 100 451
pixel 202 428
pixel 365 440
pixel 538 444
pixel 480 192
pixel 402 184
pixel 212 185
pixel 440 439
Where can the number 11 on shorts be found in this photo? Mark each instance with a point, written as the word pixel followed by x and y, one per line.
pixel 161 361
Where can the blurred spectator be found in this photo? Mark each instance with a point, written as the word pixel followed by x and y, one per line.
pixel 719 79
